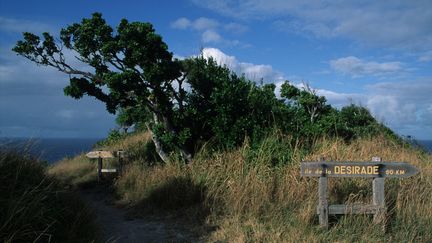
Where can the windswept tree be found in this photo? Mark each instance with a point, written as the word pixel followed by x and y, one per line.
pixel 305 98
pixel 131 67
pixel 131 70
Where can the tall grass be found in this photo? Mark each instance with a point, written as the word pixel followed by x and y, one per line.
pixel 34 206
pixel 257 194
pixel 78 171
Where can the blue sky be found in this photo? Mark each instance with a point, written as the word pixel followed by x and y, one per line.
pixel 374 53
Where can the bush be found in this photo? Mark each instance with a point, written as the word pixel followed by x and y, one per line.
pixel 113 137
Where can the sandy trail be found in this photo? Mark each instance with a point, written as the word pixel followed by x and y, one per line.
pixel 116 226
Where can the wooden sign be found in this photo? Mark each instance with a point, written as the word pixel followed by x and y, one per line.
pixel 99 154
pixel 376 169
pixel 109 170
pixel 357 169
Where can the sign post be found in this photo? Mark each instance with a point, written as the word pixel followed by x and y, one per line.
pixel 101 154
pixel 376 169
pixel 378 196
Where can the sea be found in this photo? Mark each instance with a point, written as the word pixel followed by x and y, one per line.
pixel 50 150
pixel 426 144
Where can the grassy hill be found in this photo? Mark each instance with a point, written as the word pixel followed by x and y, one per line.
pixel 256 194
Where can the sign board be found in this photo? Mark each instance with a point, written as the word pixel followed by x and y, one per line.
pixel 109 170
pixel 358 169
pixel 99 154
pixel 376 169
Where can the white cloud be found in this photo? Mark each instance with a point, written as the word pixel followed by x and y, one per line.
pixel 426 57
pixel 21 25
pixel 32 97
pixel 66 114
pixel 341 99
pixel 210 36
pixel 181 23
pixel 357 67
pixel 198 24
pixel 69 114
pixel 391 109
pixel 255 72
pixel 14 68
pixel 210 30
pixel 395 24
pixel 236 28
pixel 205 24
pixel 426 116
pixel 403 106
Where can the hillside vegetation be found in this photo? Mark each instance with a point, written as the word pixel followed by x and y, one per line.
pixel 36 207
pixel 256 194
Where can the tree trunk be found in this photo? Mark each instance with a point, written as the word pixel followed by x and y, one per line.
pixel 167 125
pixel 159 150
pixel 183 151
pixel 186 155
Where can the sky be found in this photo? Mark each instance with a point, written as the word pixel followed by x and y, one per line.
pixel 377 54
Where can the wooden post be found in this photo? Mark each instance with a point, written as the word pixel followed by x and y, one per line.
pixel 323 198
pixel 379 199
pixel 378 196
pixel 120 161
pixel 99 169
pixel 323 202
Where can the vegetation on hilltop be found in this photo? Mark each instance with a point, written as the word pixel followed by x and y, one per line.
pixel 185 103
pixel 255 193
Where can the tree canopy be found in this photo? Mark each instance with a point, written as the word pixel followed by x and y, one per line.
pixel 184 103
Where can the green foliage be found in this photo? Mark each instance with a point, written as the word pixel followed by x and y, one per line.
pixel 356 121
pixel 113 137
pixel 274 150
pixel 305 99
pixel 225 107
pixel 35 208
pixel 146 86
pixel 132 62
pixel 127 117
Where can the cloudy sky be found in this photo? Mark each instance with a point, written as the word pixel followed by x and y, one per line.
pixel 374 53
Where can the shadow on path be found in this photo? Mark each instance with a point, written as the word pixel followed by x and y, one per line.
pixel 117 226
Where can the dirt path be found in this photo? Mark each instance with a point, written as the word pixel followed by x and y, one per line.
pixel 116 226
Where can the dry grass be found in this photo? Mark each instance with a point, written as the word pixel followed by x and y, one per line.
pixel 252 201
pixel 130 143
pixel 257 194
pixel 77 171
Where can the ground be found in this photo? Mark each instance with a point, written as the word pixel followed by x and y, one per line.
pixel 117 225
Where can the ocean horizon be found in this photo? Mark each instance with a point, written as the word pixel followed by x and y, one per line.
pixel 55 149
pixel 50 149
pixel 427 144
